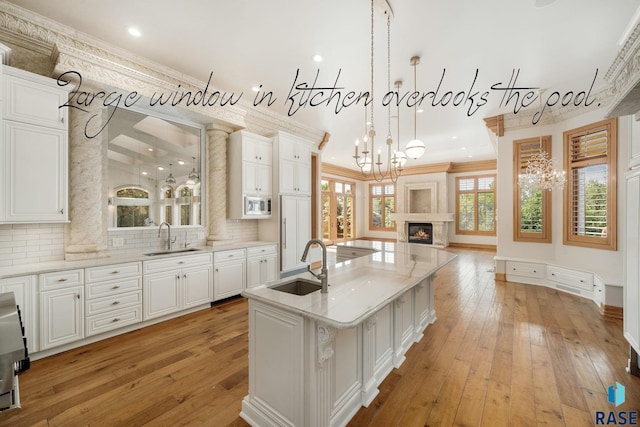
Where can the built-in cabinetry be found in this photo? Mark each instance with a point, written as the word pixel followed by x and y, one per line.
pixel 34 138
pixel 61 307
pixel 565 279
pixel 249 171
pixel 295 226
pixel 24 289
pixel 229 273
pixel 176 283
pixel 261 265
pixel 113 297
pixel 294 166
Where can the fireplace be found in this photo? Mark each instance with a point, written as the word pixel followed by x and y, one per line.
pixel 420 232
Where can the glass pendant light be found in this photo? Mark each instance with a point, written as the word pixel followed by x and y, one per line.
pixel 170 179
pixel 193 177
pixel 415 148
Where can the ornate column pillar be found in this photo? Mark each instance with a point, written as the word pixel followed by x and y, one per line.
pixel 86 235
pixel 216 149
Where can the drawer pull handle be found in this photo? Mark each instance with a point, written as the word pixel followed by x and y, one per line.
pixel 514 269
pixel 184 276
pixel 553 274
pixel 534 271
pixel 64 279
pixel 581 281
pixel 78 296
pixel 115 303
pixel 181 262
pixel 117 319
pixel 115 272
pixel 230 255
pixel 115 287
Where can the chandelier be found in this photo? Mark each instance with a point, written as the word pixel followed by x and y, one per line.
pixel 365 162
pixel 542 173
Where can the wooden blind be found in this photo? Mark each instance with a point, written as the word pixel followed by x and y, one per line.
pixel 526 151
pixel 589 146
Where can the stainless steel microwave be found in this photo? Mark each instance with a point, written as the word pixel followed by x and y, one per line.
pixel 257 206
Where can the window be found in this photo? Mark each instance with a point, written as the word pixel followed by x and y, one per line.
pixel 382 203
pixel 476 205
pixel 590 193
pixel 531 208
pixel 338 210
pixel 132 207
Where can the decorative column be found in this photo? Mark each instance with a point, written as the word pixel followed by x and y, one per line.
pixel 216 150
pixel 325 375
pixel 86 235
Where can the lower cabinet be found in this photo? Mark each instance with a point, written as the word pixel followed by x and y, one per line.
pixel 61 308
pixel 261 265
pixel 24 290
pixel 229 273
pixel 177 283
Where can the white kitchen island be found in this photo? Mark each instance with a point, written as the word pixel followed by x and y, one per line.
pixel 315 359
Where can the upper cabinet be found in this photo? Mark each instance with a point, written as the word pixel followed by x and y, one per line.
pixel 295 165
pixel 33 149
pixel 249 172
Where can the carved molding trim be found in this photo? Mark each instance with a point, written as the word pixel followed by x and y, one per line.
pixel 326 335
pixel 371 322
pixel 495 124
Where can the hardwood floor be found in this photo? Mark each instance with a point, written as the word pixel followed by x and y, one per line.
pixel 499 354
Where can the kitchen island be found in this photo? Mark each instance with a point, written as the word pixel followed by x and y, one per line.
pixel 315 359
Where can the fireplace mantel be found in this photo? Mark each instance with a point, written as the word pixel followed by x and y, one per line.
pixel 440 223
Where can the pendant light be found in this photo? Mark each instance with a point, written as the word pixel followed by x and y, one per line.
pixel 399 158
pixel 415 148
pixel 170 179
pixel 193 177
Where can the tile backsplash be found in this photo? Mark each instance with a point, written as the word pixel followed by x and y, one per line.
pixel 31 243
pixel 34 243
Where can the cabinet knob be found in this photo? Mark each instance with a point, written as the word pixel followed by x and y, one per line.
pixel 115 287
pixel 117 319
pixel 534 271
pixel 61 211
pixel 184 276
pixel 115 303
pixel 64 279
pixel 581 281
pixel 180 262
pixel 115 272
pixel 217 270
pixel 553 274
pixel 78 296
pixel 177 276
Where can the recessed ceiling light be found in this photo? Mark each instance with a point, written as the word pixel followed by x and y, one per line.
pixel 317 57
pixel 144 173
pixel 420 110
pixel 134 31
pixel 181 162
pixel 255 88
pixel 150 149
pixel 160 168
pixel 469 155
pixel 453 137
pixel 463 148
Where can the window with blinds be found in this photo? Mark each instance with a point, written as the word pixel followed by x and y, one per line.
pixel 590 194
pixel 531 208
pixel 476 205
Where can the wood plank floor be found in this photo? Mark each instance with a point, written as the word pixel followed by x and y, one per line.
pixel 499 354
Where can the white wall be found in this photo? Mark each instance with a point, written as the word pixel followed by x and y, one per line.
pixel 606 264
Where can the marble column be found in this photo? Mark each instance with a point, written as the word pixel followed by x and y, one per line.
pixel 216 149
pixel 86 235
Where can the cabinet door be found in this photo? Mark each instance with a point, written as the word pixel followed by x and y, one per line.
pixel 161 294
pixel 35 161
pixel 31 102
pixel 250 178
pixel 228 279
pixel 254 271
pixel 288 182
pixel 303 178
pixel 197 285
pixel 23 289
pixel 264 179
pixel 269 268
pixel 289 251
pixel 303 226
pixel 61 316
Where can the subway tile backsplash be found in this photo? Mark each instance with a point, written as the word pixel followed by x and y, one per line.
pixel 34 243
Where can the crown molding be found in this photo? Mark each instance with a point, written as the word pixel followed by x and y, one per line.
pixel 476 166
pixel 328 168
pixel 624 76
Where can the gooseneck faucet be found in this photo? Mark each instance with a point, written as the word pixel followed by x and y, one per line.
pixel 324 274
pixel 169 241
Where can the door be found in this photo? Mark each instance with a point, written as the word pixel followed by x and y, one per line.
pixel 338 210
pixel 62 316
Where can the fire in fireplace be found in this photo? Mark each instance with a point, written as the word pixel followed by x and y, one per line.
pixel 420 233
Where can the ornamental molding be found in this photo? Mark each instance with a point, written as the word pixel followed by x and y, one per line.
pixel 624 76
pixel 326 336
pixel 100 62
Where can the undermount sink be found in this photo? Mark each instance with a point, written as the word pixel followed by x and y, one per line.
pixel 173 251
pixel 298 287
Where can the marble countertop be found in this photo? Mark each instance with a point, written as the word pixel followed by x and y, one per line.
pixel 134 256
pixel 361 286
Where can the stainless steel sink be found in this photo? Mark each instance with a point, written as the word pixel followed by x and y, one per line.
pixel 173 251
pixel 298 287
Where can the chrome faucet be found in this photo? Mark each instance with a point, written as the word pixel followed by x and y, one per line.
pixel 324 274
pixel 169 241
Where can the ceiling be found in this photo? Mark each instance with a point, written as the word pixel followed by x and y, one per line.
pixel 250 42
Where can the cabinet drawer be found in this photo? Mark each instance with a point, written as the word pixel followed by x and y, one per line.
pixel 113 302
pixel 113 287
pixel 176 262
pixel 528 269
pixel 109 321
pixel 261 250
pixel 115 271
pixel 573 278
pixel 229 255
pixel 61 279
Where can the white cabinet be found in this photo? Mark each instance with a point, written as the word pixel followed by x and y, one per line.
pixel 113 297
pixel 249 170
pixel 229 273
pixel 61 308
pixel 24 289
pixel 34 138
pixel 176 283
pixel 261 265
pixel 294 165
pixel 295 231
pixel 577 280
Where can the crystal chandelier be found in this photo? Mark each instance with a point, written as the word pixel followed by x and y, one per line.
pixel 365 161
pixel 542 173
